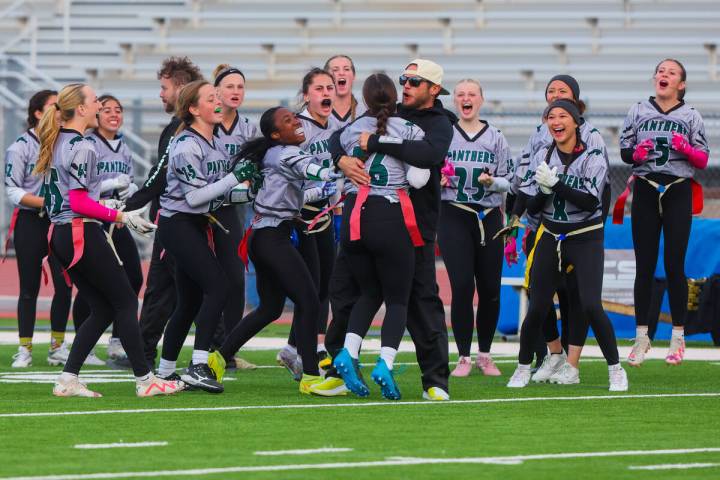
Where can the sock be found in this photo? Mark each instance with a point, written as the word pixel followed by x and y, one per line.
pixel 26 342
pixel 56 339
pixel 484 354
pixel 524 367
pixel 66 377
pixel 144 378
pixel 321 347
pixel 200 356
pixel 291 348
pixel 352 343
pixel 642 330
pixel 617 366
pixel 388 354
pixel 678 332
pixel 166 367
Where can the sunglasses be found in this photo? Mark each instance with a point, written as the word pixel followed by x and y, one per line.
pixel 414 81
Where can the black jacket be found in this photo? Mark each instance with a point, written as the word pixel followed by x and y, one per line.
pixel 156 182
pixel 430 153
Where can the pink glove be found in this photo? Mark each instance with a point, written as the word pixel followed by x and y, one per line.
pixel 448 169
pixel 696 157
pixel 642 150
pixel 511 255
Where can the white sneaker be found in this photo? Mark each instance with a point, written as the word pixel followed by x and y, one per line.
pixel 58 356
pixel 521 377
pixel 157 386
pixel 639 349
pixel 72 388
pixel 566 375
pixel 115 350
pixel 93 360
pixel 436 394
pixel 23 358
pixel 618 378
pixel 551 364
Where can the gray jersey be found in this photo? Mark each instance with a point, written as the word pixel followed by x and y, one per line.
pixel 316 142
pixel 19 163
pixel 486 152
pixel 387 174
pixel 114 159
pixel 587 173
pixel 281 195
pixel 74 167
pixel 193 164
pixel 337 122
pixel 646 120
pixel 241 130
pixel 542 139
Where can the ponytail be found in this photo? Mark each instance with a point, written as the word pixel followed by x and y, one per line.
pixel 48 130
pixel 380 97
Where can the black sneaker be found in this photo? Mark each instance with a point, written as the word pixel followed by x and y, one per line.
pixel 199 375
pixel 174 377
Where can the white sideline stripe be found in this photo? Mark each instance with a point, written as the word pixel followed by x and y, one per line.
pixel 303 452
pixel 94 446
pixel 673 466
pixel 359 404
pixel 510 460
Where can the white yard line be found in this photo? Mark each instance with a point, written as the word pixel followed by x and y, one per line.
pixel 673 466
pixel 359 404
pixel 97 446
pixel 373 344
pixel 282 453
pixel 509 460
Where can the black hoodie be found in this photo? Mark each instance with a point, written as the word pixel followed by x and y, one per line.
pixel 430 153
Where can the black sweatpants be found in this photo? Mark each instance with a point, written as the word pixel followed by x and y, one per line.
pixel 382 263
pixel 200 282
pixel 674 223
pixel 226 247
pixel 426 314
pixel 128 253
pixel 280 272
pixel 31 246
pixel 105 285
pixel 318 251
pixel 587 255
pixel 472 267
pixel 159 299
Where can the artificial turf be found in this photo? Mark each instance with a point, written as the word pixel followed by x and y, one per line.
pixel 376 430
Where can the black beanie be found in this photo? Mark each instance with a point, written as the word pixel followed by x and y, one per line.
pixel 569 106
pixel 569 81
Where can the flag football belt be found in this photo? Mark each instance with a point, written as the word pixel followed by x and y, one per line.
pixel 321 220
pixel 406 207
pixel 559 238
pixel 78 240
pixel 697 196
pixel 480 217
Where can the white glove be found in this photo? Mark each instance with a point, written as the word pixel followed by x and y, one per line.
pixel 240 194
pixel 116 183
pixel 129 191
pixel 329 174
pixel 135 221
pixel 114 204
pixel 546 177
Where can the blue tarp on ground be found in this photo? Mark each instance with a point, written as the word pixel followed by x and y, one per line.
pixel 702 260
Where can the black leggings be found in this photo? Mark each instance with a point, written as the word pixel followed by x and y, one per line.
pixel 226 246
pixel 472 267
pixel 128 253
pixel 587 255
pixel 647 223
pixel 382 262
pixel 31 246
pixel 200 282
pixel 280 273
pixel 103 282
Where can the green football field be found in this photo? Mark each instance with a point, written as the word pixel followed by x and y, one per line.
pixel 667 425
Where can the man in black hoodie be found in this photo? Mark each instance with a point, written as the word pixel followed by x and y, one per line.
pixel 159 300
pixel 421 81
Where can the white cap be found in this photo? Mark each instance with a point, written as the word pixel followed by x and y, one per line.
pixel 428 70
